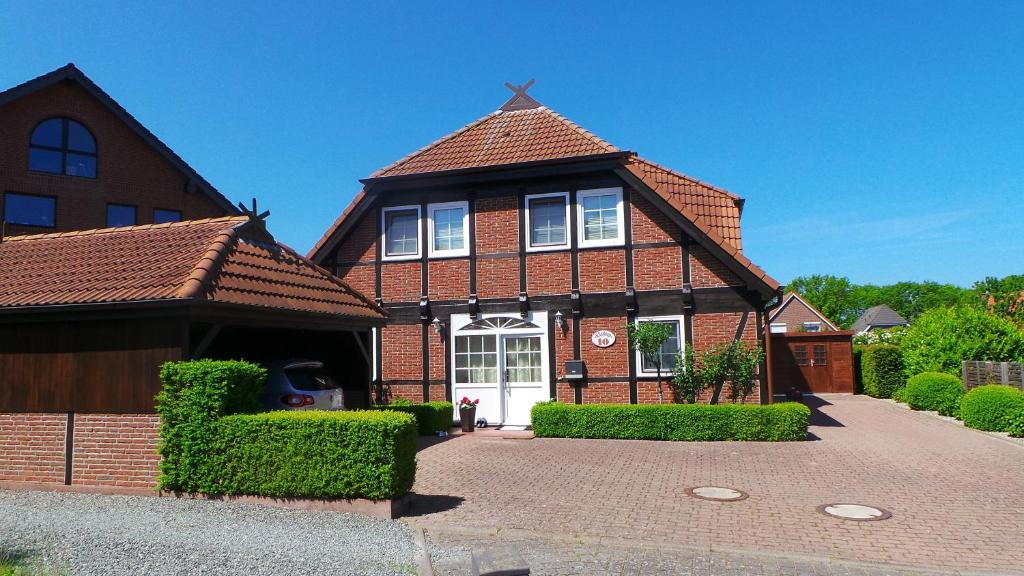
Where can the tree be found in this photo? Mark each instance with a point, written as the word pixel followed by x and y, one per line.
pixel 832 295
pixel 687 380
pixel 942 338
pixel 648 338
pixel 733 363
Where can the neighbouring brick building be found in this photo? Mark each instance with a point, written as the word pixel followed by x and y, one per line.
pixel 796 314
pixel 512 253
pixel 71 158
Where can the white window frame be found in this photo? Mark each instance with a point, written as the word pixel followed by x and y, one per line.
pixel 807 325
pixel 774 325
pixel 619 240
pixel 529 223
pixel 384 230
pixel 682 342
pixel 458 252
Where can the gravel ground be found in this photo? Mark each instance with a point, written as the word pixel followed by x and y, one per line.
pixel 112 535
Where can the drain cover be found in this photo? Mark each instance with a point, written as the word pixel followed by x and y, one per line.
pixel 857 512
pixel 716 493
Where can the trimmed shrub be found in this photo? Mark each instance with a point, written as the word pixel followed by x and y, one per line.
pixel 991 407
pixel 858 376
pixel 686 422
pixel 431 417
pixel 900 395
pixel 194 395
pixel 941 339
pixel 881 370
pixel 314 454
pixel 934 391
pixel 1016 426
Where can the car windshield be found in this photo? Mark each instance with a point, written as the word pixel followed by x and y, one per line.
pixel 310 379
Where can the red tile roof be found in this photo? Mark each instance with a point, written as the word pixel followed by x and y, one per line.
pixel 218 260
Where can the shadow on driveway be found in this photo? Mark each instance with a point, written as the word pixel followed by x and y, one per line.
pixel 819 418
pixel 423 504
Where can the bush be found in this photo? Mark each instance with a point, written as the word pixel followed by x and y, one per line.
pixel 991 407
pixel 431 417
pixel 941 339
pixel 686 422
pixel 900 395
pixel 194 395
pixel 881 370
pixel 1016 426
pixel 934 391
pixel 314 454
pixel 212 442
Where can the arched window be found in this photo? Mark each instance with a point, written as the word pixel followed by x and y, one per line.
pixel 499 322
pixel 62 146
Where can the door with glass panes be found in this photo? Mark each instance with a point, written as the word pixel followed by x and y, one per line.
pixel 502 362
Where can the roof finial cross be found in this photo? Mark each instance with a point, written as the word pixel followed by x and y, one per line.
pixel 254 213
pixel 520 100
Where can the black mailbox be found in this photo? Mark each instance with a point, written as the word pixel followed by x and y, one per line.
pixel 575 369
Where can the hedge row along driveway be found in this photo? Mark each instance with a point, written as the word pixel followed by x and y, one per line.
pixel 682 422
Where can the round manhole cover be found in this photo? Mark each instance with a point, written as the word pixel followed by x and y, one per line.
pixel 857 512
pixel 716 493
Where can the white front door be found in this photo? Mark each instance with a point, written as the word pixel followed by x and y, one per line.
pixel 502 361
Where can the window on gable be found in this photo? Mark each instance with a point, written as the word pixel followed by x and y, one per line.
pixel 401 232
pixel 62 146
pixel 30 210
pixel 547 220
pixel 120 215
pixel 670 350
pixel 812 326
pixel 449 229
pixel 161 216
pixel 778 327
pixel 600 217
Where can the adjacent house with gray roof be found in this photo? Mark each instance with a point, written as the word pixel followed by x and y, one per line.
pixel 877 318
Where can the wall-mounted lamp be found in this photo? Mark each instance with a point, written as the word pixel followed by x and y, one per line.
pixel 438 325
pixel 560 320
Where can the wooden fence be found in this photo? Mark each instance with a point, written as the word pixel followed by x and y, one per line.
pixel 976 373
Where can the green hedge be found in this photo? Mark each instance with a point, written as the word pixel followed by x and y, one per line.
pixel 991 407
pixel 213 442
pixel 687 422
pixel 431 417
pixel 1016 426
pixel 941 338
pixel 934 391
pixel 314 454
pixel 858 376
pixel 881 368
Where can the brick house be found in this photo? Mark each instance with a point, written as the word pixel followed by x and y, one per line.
pixel 512 253
pixel 71 158
pixel 796 314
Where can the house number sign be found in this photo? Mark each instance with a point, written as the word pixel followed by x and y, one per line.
pixel 603 338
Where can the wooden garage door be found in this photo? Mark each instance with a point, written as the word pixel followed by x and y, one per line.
pixel 812 362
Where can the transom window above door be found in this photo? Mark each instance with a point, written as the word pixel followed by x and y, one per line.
pixel 600 217
pixel 547 218
pixel 62 146
pixel 401 237
pixel 449 228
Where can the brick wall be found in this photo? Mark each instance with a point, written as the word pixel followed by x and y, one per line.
pixel 129 171
pixel 711 329
pixel 32 447
pixel 602 270
pixel 497 224
pixel 795 314
pixel 497 277
pixel 651 224
pixel 116 450
pixel 410 392
pixel 402 350
pixel 400 281
pixel 606 393
pixel 436 350
pixel 706 271
pixel 361 278
pixel 610 361
pixel 657 268
pixel 361 243
pixel 548 273
pixel 448 279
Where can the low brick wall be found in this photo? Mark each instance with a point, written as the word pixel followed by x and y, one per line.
pixel 32 447
pixel 108 450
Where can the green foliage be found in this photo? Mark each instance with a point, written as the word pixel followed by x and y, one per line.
pixel 892 336
pixel 314 454
pixel 881 370
pixel 734 363
pixel 900 395
pixel 991 407
pixel 1016 425
pixel 211 442
pixel 934 391
pixel 194 396
pixel 831 295
pixel 648 338
pixel 684 422
pixel 1002 297
pixel 942 338
pixel 843 302
pixel 431 417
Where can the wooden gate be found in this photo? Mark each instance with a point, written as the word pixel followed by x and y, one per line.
pixel 811 362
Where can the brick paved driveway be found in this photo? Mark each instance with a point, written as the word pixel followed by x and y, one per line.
pixel 957 495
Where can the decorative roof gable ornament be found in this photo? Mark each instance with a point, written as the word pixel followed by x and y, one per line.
pixel 257 224
pixel 520 100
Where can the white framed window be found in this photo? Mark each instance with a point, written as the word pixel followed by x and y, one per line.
pixel 812 326
pixel 547 221
pixel 599 215
pixel 448 226
pixel 778 327
pixel 670 350
pixel 400 238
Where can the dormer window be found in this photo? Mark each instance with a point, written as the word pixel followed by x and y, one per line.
pixel 62 146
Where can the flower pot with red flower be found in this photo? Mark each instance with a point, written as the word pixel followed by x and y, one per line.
pixel 467 413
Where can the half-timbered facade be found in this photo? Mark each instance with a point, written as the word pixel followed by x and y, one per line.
pixel 512 253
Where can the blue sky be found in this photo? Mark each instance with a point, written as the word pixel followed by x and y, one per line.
pixel 880 141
